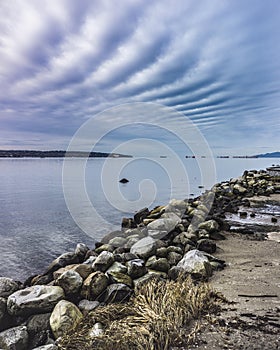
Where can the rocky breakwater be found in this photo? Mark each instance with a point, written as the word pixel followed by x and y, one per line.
pixel 179 238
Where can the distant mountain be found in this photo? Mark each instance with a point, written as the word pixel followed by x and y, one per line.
pixel 57 154
pixel 269 155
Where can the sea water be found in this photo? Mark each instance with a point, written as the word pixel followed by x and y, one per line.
pixel 37 225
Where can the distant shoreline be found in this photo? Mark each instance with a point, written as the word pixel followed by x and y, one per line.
pixel 58 154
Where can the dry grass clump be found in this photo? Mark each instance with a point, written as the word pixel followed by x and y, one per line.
pixel 160 315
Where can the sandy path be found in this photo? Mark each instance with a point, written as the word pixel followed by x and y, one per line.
pixel 252 281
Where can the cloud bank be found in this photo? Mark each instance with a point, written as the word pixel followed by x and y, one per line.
pixel 217 62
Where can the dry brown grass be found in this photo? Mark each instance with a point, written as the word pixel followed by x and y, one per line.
pixel 162 314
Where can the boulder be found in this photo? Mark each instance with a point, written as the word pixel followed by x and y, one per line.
pixel 141 215
pixel 14 338
pixel 196 263
pixel 117 267
pixel 118 277
pixel 96 331
pixel 64 317
pixel 84 270
pixel 136 268
pixel 35 299
pixel 103 261
pixel 166 224
pixel 143 279
pixel 237 188
pixel 109 236
pixel 209 226
pixel 94 285
pixel 161 252
pixel 174 257
pixel 62 261
pixel 38 328
pixel 117 292
pixel 158 264
pixel 87 305
pixel 144 248
pixel 47 347
pixel 104 248
pixel 206 245
pixel 81 250
pixel 117 242
pixel 3 308
pixel 7 287
pixel 70 281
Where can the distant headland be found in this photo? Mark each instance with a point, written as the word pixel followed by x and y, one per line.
pixel 57 154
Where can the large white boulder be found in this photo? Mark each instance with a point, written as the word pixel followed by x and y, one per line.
pixel 35 299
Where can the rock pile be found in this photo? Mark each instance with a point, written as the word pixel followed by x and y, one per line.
pixel 164 242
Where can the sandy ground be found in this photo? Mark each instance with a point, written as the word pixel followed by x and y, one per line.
pixel 251 281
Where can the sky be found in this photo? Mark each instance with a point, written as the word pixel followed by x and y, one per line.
pixel 213 62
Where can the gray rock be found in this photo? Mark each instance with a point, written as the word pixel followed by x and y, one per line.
pixel 176 206
pixel 161 252
pixel 141 215
pixel 111 235
pixel 81 250
pixel 209 226
pixel 96 331
pixel 7 287
pixel 206 245
pixel 158 264
pixel 117 292
pixel 136 268
pixel 173 258
pixel 104 248
pixel 175 249
pixel 239 189
pixel 103 261
pixel 184 238
pixel 84 270
pixel 14 338
pixel 94 285
pixel 3 309
pixel 117 242
pixel 62 261
pixel 196 263
pixel 144 248
pixel 70 281
pixel 86 305
pixel 118 277
pixel 38 328
pixel 143 279
pixel 35 299
pixel 164 224
pixel 117 267
pixel 64 317
pixel 131 240
pixel 47 347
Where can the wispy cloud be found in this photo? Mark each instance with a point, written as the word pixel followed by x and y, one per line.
pixel 215 61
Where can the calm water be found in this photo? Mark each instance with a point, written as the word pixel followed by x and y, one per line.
pixel 36 225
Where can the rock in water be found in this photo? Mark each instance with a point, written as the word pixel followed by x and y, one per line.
pixel 35 299
pixel 124 180
pixel 14 338
pixel 64 317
